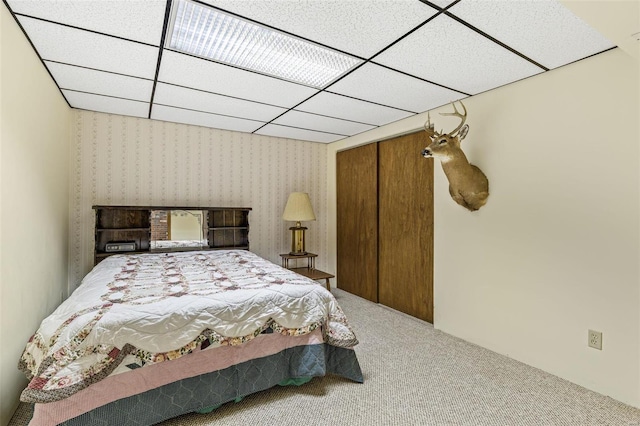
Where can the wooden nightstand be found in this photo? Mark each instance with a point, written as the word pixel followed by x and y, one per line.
pixel 310 270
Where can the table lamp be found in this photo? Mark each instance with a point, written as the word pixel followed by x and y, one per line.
pixel 298 209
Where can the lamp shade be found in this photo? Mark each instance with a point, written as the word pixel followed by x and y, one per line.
pixel 298 208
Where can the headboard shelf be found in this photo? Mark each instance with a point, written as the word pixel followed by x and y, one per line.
pixel 134 229
pixel 122 229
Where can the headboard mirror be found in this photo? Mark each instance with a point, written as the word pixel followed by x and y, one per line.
pixel 178 229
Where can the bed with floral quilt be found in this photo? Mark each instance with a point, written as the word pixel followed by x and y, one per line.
pixel 147 337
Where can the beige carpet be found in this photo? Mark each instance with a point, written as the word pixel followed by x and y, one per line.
pixel 421 377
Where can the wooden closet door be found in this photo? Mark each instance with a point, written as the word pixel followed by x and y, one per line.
pixel 405 231
pixel 357 221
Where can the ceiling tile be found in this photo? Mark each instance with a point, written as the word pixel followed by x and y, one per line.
pixel 353 26
pixel 139 20
pixel 170 95
pixel 100 82
pixel 442 3
pixel 381 85
pixel 451 54
pixel 320 123
pixel 77 47
pixel 196 118
pixel 185 70
pixel 338 106
pixel 299 134
pixel 106 104
pixel 545 31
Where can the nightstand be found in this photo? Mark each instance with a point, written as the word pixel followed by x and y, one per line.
pixel 310 270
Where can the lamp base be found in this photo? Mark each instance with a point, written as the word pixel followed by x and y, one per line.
pixel 297 241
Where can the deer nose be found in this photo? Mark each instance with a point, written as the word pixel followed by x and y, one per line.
pixel 426 152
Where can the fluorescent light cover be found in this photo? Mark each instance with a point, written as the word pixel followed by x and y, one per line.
pixel 203 31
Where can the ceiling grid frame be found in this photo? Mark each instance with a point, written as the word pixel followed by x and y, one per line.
pixel 433 88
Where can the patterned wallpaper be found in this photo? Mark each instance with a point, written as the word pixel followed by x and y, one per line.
pixel 122 160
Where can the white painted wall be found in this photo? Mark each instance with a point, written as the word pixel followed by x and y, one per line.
pixel 555 251
pixel 34 192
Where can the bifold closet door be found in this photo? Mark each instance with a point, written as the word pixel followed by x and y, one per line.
pixel 357 220
pixel 405 226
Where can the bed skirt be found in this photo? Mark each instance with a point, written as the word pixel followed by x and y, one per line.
pixel 212 389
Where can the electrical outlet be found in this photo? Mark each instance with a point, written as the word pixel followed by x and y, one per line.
pixel 595 339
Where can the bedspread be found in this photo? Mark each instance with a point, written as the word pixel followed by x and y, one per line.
pixel 158 307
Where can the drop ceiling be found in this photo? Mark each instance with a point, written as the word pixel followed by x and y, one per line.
pixel 112 56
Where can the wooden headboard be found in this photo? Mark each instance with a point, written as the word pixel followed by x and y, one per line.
pixel 128 229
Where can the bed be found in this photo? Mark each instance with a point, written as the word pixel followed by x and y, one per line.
pixel 147 337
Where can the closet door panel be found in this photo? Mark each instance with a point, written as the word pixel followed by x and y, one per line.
pixel 357 221
pixel 405 230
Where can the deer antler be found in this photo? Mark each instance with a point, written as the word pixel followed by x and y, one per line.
pixel 428 127
pixel 456 113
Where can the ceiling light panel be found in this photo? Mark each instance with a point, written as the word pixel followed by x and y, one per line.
pixel 298 134
pixel 543 30
pixel 100 82
pixel 351 109
pixel 170 95
pixel 185 70
pixel 106 104
pixel 361 28
pixel 378 84
pixel 453 55
pixel 139 20
pixel 320 123
pixel 77 47
pixel 177 115
pixel 206 32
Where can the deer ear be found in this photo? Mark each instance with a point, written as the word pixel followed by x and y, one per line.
pixel 463 132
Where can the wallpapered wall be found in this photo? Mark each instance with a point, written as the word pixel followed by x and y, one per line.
pixel 117 160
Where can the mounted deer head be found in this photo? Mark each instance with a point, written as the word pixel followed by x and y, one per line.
pixel 468 186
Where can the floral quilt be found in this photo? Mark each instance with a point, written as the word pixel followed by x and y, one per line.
pixel 137 310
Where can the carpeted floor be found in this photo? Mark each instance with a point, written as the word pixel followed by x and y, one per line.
pixel 418 377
